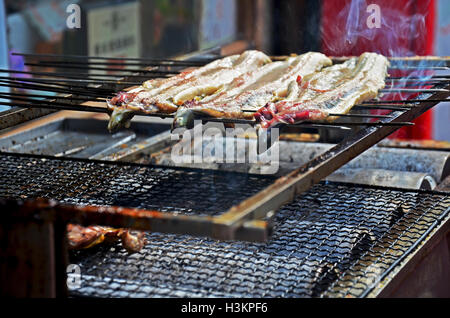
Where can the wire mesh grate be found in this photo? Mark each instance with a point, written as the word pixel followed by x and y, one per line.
pixel 185 191
pixel 333 241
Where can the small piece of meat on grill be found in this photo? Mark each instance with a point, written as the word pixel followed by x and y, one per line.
pixel 84 237
pixel 81 237
pixel 254 90
pixel 133 242
pixel 336 89
pixel 166 95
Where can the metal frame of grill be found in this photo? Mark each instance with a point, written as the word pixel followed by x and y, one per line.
pixel 251 218
pixel 336 240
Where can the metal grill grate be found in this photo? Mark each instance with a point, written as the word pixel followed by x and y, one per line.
pixel 333 241
pixel 185 191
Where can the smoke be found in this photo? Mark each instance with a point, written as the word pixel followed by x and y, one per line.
pixel 403 29
pixel 348 28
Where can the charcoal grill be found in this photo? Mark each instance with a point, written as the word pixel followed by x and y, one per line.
pixel 266 202
pixel 324 240
pixel 334 240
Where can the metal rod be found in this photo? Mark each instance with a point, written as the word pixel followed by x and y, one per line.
pixel 412 90
pixel 382 107
pixel 19 80
pixel 386 106
pixel 367 124
pixel 55 105
pixel 164 64
pixel 253 122
pixel 341 115
pixel 53 80
pixel 68 90
pixel 418 59
pixel 412 84
pixel 360 115
pixel 419 67
pixel 45 102
pixel 287 188
pixel 336 126
pixel 109 58
pixel 92 109
pixel 417 80
pixel 424 77
pixel 85 99
pixel 76 75
pixel 108 69
pixel 405 101
pixel 53 89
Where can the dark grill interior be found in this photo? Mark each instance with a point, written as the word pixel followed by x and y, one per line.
pixel 334 240
pixel 185 191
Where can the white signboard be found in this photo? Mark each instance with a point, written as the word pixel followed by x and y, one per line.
pixel 217 22
pixel 114 31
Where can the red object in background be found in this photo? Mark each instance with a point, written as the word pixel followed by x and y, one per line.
pixel 406 28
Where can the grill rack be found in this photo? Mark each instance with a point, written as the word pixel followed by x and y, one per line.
pixel 164 196
pixel 262 205
pixel 333 241
pixel 158 68
pixel 329 278
pixel 89 182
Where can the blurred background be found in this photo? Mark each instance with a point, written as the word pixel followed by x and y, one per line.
pixel 167 28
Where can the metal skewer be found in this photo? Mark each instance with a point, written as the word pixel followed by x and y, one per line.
pixel 346 115
pixel 382 107
pixel 92 109
pixel 419 67
pixel 79 75
pixel 85 99
pixel 64 106
pixel 424 77
pixel 384 102
pixel 83 57
pixel 412 90
pixel 368 124
pixel 106 69
pixel 146 64
pixel 52 84
pixel 434 80
pixel 56 80
pixel 54 89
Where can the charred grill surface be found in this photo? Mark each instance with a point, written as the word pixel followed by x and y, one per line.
pixel 333 241
pixel 87 182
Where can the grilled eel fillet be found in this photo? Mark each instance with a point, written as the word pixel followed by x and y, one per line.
pixel 335 89
pixel 86 237
pixel 165 95
pixel 253 90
